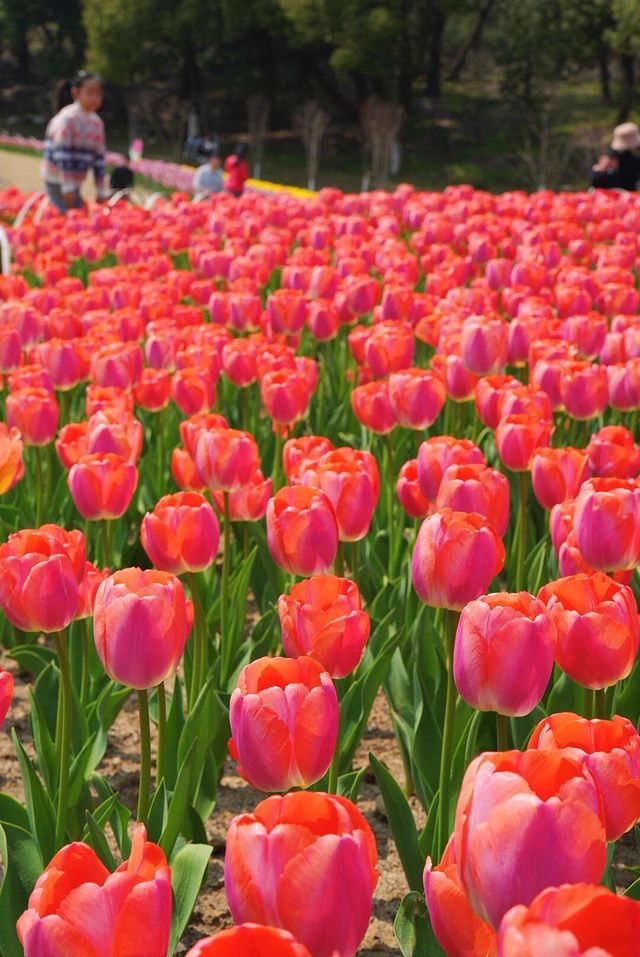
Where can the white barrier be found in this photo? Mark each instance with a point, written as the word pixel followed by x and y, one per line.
pixel 151 200
pixel 5 252
pixel 24 209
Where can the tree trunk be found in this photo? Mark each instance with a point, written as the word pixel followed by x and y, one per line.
pixel 605 74
pixel 405 78
pixel 23 58
pixel 476 33
pixel 627 65
pixel 434 53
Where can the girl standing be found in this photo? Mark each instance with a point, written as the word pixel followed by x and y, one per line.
pixel 237 170
pixel 74 143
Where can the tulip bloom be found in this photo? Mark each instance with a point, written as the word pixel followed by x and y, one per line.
pixel 11 464
pixel 606 520
pixel 78 908
pixel 597 628
pixel 112 430
pixel 250 940
pixel 389 347
pixel 249 503
pixel 348 487
pixel 525 820
pixel 185 473
pixel 323 618
pixel 285 395
pixel 181 534
pixel 88 588
pixel 610 750
pixel 417 397
pixel 302 531
pixel 193 390
pixel 6 693
pixel 153 391
pixel 483 344
pixel 455 556
pixel 458 930
pixel 287 311
pixel 320 882
pixel 503 653
pixel 34 412
pixel 296 453
pixel 372 407
pixel 613 453
pixel 575 920
pixel 102 486
pixel 476 488
pixel 192 428
pixel 284 719
pixel 489 390
pixel 141 620
pixel 437 454
pixel 226 458
pixel 412 498
pixel 518 437
pixel 239 362
pixel 72 443
pixel 557 474
pixel 584 389
pixel 40 571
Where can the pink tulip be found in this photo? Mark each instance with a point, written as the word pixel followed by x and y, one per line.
pixel 606 521
pixel 6 693
pixel 302 532
pixel 437 454
pixel 284 720
pixel 557 474
pixel 306 862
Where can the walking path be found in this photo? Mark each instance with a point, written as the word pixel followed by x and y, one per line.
pixel 23 170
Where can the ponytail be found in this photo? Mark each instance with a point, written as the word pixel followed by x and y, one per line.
pixel 63 95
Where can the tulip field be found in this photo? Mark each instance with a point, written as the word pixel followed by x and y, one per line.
pixel 339 496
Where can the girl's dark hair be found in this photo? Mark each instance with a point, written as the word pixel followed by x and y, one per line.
pixel 240 150
pixel 64 96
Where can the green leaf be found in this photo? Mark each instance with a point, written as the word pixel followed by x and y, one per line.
pixel 188 869
pixel 349 784
pixel 32 658
pixel 412 928
pixel 21 864
pixel 173 730
pixel 97 840
pixel 402 823
pixel 178 804
pixel 633 891
pixel 42 815
pixel 157 814
pixel 43 743
pixel 119 817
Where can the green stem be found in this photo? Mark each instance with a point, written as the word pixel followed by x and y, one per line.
pixel 338 564
pixel 63 737
pixel 502 732
pixel 353 563
pixel 447 735
pixel 105 531
pixel 334 767
pixel 390 483
pixel 161 445
pixel 277 459
pixel 86 657
pixel 39 486
pixel 225 639
pixel 162 728
pixel 523 480
pixel 600 701
pixel 64 405
pixel 244 408
pixel 145 757
pixel 593 708
pixel 200 657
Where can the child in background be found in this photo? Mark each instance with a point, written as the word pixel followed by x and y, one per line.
pixel 208 177
pixel 75 143
pixel 237 171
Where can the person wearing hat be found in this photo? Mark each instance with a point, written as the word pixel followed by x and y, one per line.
pixel 619 167
pixel 208 177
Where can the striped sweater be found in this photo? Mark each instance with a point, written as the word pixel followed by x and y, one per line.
pixel 74 143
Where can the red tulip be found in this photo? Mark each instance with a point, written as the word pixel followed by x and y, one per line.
pixel 323 320
pixel 6 693
pixel 456 927
pixel 518 437
pixel 455 556
pixel 40 572
pixel 476 488
pixel 525 820
pixel 319 883
pixel 112 430
pixel 610 750
pixel 99 397
pixel 88 588
pixel 349 488
pixel 575 920
pixel 287 310
pixel 11 464
pixel 613 453
pixel 118 364
pixel 285 395
pixel 489 390
pixel 557 474
pixel 584 389
pixel 412 498
pixel 102 486
pixel 191 428
pixel 372 407
pixel 185 473
pixel 153 391
pixel 141 620
pixel 181 534
pixel 323 618
pixel 597 627
pixel 239 362
pixel 503 653
pixel 389 347
pixel 34 412
pixel 417 397
pixel 78 908
pixel 296 453
pixel 66 360
pixel 302 532
pixel 250 940
pixel 483 344
pixel 435 455
pixel 284 719
pixel 226 458
pixel 193 390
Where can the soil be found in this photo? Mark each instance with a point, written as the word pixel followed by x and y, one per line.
pixel 120 767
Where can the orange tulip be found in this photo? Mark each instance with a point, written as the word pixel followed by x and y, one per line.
pixel 250 940
pixel 11 464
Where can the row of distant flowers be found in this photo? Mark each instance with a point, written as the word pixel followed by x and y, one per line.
pixel 170 175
